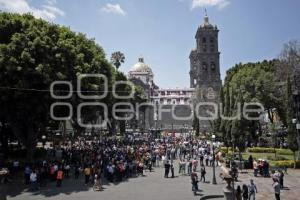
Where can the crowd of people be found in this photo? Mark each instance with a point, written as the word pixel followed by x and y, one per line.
pixel 113 160
pixel 109 159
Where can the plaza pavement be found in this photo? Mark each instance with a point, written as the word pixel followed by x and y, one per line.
pixel 150 187
pixel 154 187
pixel 291 184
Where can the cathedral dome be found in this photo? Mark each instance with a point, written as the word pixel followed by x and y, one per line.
pixel 140 66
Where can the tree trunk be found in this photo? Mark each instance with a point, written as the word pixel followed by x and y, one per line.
pixel 27 135
pixel 298 141
pixel 122 126
pixel 30 152
pixel 294 159
pixel 4 140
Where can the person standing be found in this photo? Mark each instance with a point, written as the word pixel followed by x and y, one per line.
pixel 250 161
pixel 87 173
pixel 172 170
pixel 27 174
pixel 206 160
pixel 276 187
pixel 190 165
pixel 201 159
pixel 76 171
pixel 245 193
pixel 59 177
pixel 238 194
pixel 194 178
pixel 281 175
pixel 167 169
pixel 252 190
pixel 203 172
pixel 255 168
pixel 33 180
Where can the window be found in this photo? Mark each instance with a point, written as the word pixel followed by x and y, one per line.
pixel 195 81
pixel 213 66
pixel 211 40
pixel 204 40
pixel 212 48
pixel 204 48
pixel 204 65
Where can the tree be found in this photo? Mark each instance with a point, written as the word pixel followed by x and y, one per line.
pixel 117 58
pixel 196 127
pixel 250 82
pixel 292 134
pixel 288 72
pixel 289 59
pixel 33 54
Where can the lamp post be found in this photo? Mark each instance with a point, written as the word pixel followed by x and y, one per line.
pixel 214 181
pixel 296 121
pixel 296 95
pixel 233 167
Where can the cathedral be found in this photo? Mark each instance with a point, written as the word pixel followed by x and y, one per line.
pixel 205 85
pixel 205 71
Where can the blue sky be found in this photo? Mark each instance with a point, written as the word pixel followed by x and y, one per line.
pixel 163 31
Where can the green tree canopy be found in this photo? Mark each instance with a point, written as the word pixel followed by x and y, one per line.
pixel 33 54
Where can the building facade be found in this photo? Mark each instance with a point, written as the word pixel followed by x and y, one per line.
pixel 205 85
pixel 165 107
pixel 205 71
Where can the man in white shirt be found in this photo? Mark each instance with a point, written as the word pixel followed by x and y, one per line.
pixel 33 180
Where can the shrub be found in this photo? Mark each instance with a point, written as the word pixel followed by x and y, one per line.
pixel 223 150
pixel 287 163
pixel 261 150
pixel 284 152
pixel 277 158
pixel 270 150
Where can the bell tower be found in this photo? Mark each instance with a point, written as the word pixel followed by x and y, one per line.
pixel 205 71
pixel 205 59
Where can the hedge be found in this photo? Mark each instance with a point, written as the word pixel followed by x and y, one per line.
pixel 261 150
pixel 284 152
pixel 223 150
pixel 277 158
pixel 286 163
pixel 270 150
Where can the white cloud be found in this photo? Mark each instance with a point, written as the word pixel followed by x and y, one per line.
pixel 51 2
pixel 48 11
pixel 209 3
pixel 111 8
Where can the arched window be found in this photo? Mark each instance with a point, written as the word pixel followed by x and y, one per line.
pixel 204 65
pixel 213 66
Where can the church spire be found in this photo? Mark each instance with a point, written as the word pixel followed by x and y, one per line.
pixel 206 19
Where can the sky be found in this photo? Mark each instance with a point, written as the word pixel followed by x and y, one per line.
pixel 163 31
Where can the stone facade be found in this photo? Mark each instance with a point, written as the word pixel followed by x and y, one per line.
pixel 205 70
pixel 205 86
pixel 158 114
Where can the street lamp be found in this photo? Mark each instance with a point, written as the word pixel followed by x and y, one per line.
pixel 214 168
pixel 296 95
